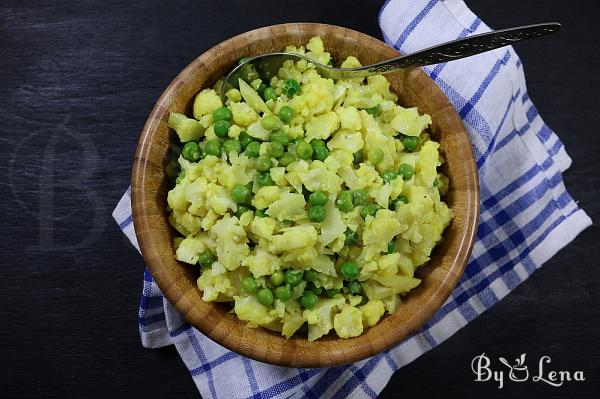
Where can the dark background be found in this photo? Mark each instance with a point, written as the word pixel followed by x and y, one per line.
pixel 77 81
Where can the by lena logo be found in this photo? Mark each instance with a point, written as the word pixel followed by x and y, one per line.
pixel 519 372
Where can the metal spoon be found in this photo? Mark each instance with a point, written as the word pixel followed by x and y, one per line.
pixel 267 65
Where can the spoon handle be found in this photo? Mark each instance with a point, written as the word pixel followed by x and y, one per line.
pixel 466 47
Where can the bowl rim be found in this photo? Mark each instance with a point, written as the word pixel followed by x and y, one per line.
pixel 142 219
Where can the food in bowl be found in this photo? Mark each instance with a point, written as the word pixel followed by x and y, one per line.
pixel 306 202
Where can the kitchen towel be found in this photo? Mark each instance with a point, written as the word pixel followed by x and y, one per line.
pixel 526 217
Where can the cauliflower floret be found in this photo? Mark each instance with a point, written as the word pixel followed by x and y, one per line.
pixel 212 284
pixel 290 206
pixel 263 227
pixel 265 196
pixel 315 44
pixel 292 319
pixel 219 199
pixel 349 118
pixel 243 114
pixel 398 284
pixel 348 323
pixel 381 229
pixel 426 165
pixel 261 262
pixel 382 86
pixel 333 226
pixel 321 179
pixel 346 140
pixel 257 131
pixel 372 312
pixel 189 249
pixel 408 121
pixel 206 102
pixel 248 309
pixel 319 318
pixel 322 126
pixel 187 129
pixel 231 242
pixel 295 237
pixel 177 198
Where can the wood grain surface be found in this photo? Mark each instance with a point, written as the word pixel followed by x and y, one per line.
pixel 77 82
pixel 178 281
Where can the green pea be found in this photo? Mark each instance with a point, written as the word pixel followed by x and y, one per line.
pixel 263 164
pixel 351 237
pixel 317 290
pixel 213 147
pixel 375 155
pixel 280 137
pixel 222 114
pixel 269 94
pixel 344 201
pixel 410 142
pixel 308 300
pixel 320 153
pixel 406 171
pixel 286 114
pixel 253 149
pixel 232 145
pixel 249 285
pixel 375 111
pixel 261 89
pixel 205 259
pixel 367 210
pixel 399 201
pixel 245 139
pixel 304 150
pixel 349 270
pixel 330 293
pixel 354 287
pixel 191 151
pixel 316 213
pixel 287 159
pixel 265 297
pixel 291 88
pixel 222 128
pixel 358 156
pixel 310 275
pixel 175 151
pixel 180 177
pixel 264 179
pixel 391 247
pixel 260 213
pixel 172 169
pixel 388 176
pixel 269 122
pixel 284 293
pixel 241 194
pixel 315 143
pixel 318 198
pixel 277 278
pixel 241 209
pixel 359 197
pixel 293 278
pixel 275 149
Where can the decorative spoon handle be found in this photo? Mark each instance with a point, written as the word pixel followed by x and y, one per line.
pixel 466 47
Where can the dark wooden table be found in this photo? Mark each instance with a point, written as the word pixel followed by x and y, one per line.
pixel 77 80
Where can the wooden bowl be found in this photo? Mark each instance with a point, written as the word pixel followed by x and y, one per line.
pixel 178 281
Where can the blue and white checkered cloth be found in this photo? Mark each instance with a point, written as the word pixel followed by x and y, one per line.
pixel 526 217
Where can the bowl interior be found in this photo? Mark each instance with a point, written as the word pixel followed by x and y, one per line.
pixel 178 281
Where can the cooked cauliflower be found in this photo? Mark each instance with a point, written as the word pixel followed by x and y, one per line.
pixel 293 215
